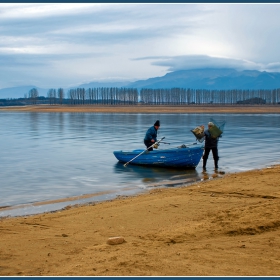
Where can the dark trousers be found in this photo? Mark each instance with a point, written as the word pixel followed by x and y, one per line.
pixel 148 144
pixel 215 156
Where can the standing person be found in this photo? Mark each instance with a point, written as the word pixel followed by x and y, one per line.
pixel 151 135
pixel 211 143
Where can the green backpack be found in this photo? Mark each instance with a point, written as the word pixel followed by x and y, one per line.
pixel 217 129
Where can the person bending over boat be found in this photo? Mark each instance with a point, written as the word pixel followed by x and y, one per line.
pixel 211 143
pixel 151 135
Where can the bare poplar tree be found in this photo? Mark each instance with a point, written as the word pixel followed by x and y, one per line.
pixel 33 95
pixel 60 94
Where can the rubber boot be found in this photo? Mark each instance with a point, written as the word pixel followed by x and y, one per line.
pixel 204 163
pixel 216 164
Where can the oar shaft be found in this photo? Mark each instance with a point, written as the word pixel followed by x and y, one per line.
pixel 143 152
pixel 135 157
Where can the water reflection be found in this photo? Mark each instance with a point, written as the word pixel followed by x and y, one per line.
pixel 34 124
pixel 157 175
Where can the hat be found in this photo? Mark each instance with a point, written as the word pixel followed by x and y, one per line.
pixel 157 123
pixel 210 124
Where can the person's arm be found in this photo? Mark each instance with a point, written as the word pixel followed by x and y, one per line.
pixel 149 135
pixel 155 138
pixel 153 134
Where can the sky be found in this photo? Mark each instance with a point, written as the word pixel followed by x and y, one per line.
pixel 68 44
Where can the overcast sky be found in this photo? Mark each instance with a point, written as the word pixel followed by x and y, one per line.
pixel 63 45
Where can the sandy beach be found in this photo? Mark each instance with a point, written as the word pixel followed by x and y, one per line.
pixel 225 225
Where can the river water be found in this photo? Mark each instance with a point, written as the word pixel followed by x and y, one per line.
pixel 52 156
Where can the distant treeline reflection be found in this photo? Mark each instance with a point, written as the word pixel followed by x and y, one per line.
pixel 132 96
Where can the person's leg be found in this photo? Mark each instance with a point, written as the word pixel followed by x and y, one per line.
pixel 215 157
pixel 148 144
pixel 205 157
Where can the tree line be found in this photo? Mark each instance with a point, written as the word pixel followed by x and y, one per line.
pixel 104 96
pixel 131 96
pixel 173 96
pixel 181 96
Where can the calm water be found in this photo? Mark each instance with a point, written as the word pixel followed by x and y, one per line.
pixel 51 156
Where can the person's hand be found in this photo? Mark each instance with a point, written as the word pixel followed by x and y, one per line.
pixel 152 140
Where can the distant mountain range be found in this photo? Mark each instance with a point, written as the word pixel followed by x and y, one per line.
pixel 219 79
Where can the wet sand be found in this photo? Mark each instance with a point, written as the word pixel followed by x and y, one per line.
pixel 213 109
pixel 223 226
pixel 226 225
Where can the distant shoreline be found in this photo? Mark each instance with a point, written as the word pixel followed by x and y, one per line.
pixel 149 109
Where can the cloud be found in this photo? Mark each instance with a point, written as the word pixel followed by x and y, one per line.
pixel 60 44
pixel 187 62
pixel 273 67
pixel 114 25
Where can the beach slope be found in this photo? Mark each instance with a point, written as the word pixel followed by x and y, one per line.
pixel 227 226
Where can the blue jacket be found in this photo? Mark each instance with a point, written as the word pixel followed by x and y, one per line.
pixel 210 142
pixel 151 134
